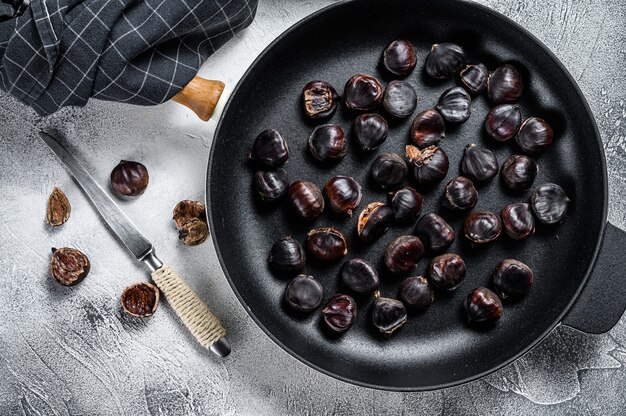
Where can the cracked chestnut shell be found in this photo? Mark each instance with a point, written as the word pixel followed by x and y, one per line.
pixel 326 244
pixel 339 313
pixel 374 221
pixel 447 271
pixel 416 293
pixel 512 279
pixel 328 143
pixel 399 57
pixel 403 253
pixel 343 194
pixel 444 60
pixel 69 266
pixel 362 93
pixel 518 221
pixel 549 203
pixel 478 163
pixel 269 149
pixel 534 136
pixel 460 194
pixel 428 128
pixel 503 121
pixel 389 170
pixel 306 199
pixel 482 227
pixel 271 185
pixel 388 315
pixel 186 210
pixel 193 232
pixel 304 293
pixel 454 105
pixel 519 172
pixel 504 85
pixel 140 300
pixel 359 276
pixel 428 166
pixel 400 99
pixel 482 306
pixel 129 178
pixel 474 77
pixel 370 131
pixel 406 204
pixel 319 99
pixel 287 256
pixel 59 208
pixel 435 233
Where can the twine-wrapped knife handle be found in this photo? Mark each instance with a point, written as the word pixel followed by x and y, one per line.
pixel 201 96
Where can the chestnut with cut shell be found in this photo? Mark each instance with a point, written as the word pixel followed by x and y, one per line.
pixel 271 185
pixel 374 221
pixel 428 166
pixel 549 203
pixel 447 271
pixel 435 233
pixel 319 99
pixel 403 253
pixel 359 276
pixel 304 293
pixel 428 128
pixel 343 194
pixel 482 227
pixel 460 194
pixel 416 293
pixel 269 149
pixel 326 244
pixel 400 99
pixel 474 77
pixel 479 163
pixel 140 300
pixel 69 266
pixel 512 279
pixel 444 60
pixel 406 204
pixel 306 199
pixel 339 313
pixel 362 93
pixel 388 315
pixel 389 170
pixel 399 57
pixel 454 105
pixel 504 85
pixel 287 256
pixel 518 221
pixel 519 172
pixel 482 306
pixel 534 136
pixel 328 143
pixel 503 121
pixel 370 131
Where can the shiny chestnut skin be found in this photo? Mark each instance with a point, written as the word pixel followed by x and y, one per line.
pixel 339 313
pixel 549 203
pixel 359 276
pixel 403 253
pixel 374 221
pixel 460 194
pixel 447 271
pixel 444 60
pixel 503 121
pixel 428 166
pixel 518 221
pixel 326 244
pixel 435 233
pixel 534 136
pixel 370 131
pixel 388 315
pixel 319 99
pixel 504 85
pixel 474 77
pixel 389 170
pixel 428 128
pixel 287 256
pixel 399 57
pixel 512 279
pixel 306 199
pixel 400 99
pixel 482 306
pixel 269 149
pixel 343 194
pixel 406 204
pixel 129 178
pixel 271 185
pixel 416 293
pixel 478 163
pixel 304 293
pixel 454 105
pixel 328 143
pixel 482 227
pixel 519 172
pixel 362 93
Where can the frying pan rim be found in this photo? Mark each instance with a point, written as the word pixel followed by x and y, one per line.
pixel 515 357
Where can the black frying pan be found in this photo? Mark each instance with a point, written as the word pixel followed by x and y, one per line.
pixel 436 349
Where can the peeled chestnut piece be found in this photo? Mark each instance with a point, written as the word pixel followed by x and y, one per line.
pixel 534 136
pixel 269 149
pixel 447 271
pixel 474 77
pixel 428 128
pixel 482 227
pixel 129 178
pixel 435 233
pixel 503 121
pixel 388 314
pixel 304 293
pixel 193 232
pixel 518 221
pixel 343 194
pixel 326 244
pixel 306 199
pixel 478 163
pixel 512 279
pixel 406 204
pixel 428 166
pixel 271 185
pixel 389 170
pixel 454 105
pixel 374 221
pixel 482 306
pixel 444 60
pixel 416 293
pixel 403 253
pixel 359 276
pixel 400 99
pixel 370 131
pixel 549 203
pixel 287 256
pixel 504 85
pixel 519 172
pixel 328 143
pixel 460 194
pixel 339 313
pixel 319 99
pixel 362 93
pixel 399 57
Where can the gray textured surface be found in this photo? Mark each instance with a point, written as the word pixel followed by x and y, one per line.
pixel 71 350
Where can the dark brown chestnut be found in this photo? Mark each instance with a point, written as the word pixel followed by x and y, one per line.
pixel 482 306
pixel 447 271
pixel 319 99
pixel 304 293
pixel 362 93
pixel 474 77
pixel 343 194
pixel 416 293
pixel 326 244
pixel 454 105
pixel 339 313
pixel 428 166
pixel 435 233
pixel 428 128
pixel 388 315
pixel 512 279
pixel 328 143
pixel 129 178
pixel 403 253
pixel 374 221
pixel 389 170
pixel 549 203
pixel 518 221
pixel 504 85
pixel 534 136
pixel 269 149
pixel 503 121
pixel 482 227
pixel 359 276
pixel 399 57
pixel 478 163
pixel 519 172
pixel 460 194
pixel 306 199
pixel 271 185
pixel 370 131
pixel 287 256
pixel 444 60
pixel 406 204
pixel 400 99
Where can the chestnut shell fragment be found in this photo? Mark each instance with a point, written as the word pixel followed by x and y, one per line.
pixel 534 136
pixel 447 271
pixel 444 60
pixel 304 293
pixel 478 163
pixel 518 221
pixel 400 99
pixel 503 121
pixel 406 204
pixel 428 128
pixel 69 266
pixel 504 85
pixel 474 77
pixel 454 105
pixel 370 131
pixel 362 93
pixel 519 172
pixel 388 315
pixel 339 313
pixel 403 253
pixel 287 256
pixel 512 279
pixel 460 194
pixel 271 185
pixel 359 276
pixel 326 244
pixel 482 306
pixel 140 300
pixel 428 166
pixel 389 170
pixel 319 99
pixel 343 194
pixel 416 293
pixel 59 208
pixel 435 233
pixel 399 57
pixel 328 143
pixel 549 203
pixel 374 221
pixel 193 232
pixel 129 178
pixel 269 149
pixel 186 210
pixel 306 199
pixel 482 227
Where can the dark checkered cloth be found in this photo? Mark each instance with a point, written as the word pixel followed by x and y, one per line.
pixel 59 53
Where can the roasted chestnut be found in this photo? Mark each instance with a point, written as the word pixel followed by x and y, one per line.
pixel 447 271
pixel 435 233
pixel 428 166
pixel 326 244
pixel 504 85
pixel 519 172
pixel 534 136
pixel 69 266
pixel 389 170
pixel 503 121
pixel 482 227
pixel 518 221
pixel 306 199
pixel 129 178
pixel 328 143
pixel 269 149
pixel 287 256
pixel 444 60
pixel 454 105
pixel 304 293
pixel 362 93
pixel 482 306
pixel 549 203
pixel 140 300
pixel 399 57
pixel 339 313
pixel 193 232
pixel 428 128
pixel 403 253
pixel 406 204
pixel 400 99
pixel 416 293
pixel 370 131
pixel 319 99
pixel 478 163
pixel 359 276
pixel 374 221
pixel 460 194
pixel 271 185
pixel 388 314
pixel 512 279
pixel 343 194
pixel 474 77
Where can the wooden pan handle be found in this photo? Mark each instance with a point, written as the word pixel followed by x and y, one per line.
pixel 201 96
